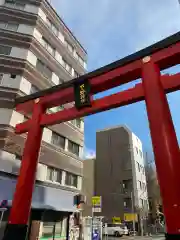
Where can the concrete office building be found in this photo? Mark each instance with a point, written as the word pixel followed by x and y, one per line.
pixel 38 51
pixel 88 186
pixel 119 173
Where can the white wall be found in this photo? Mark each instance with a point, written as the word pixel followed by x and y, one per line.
pixel 25 86
pixel 42 14
pixel 23 53
pixel 31 8
pixel 10 117
pixel 28 7
pixel 55 79
pixel 18 82
pixel 16 118
pixel 17 52
pixel 138 160
pixel 41 172
pixel 26 29
pixel 9 164
pixel 6 115
pixel 37 35
pixel 58 57
pixel 61 37
pixel 82 125
pixel 79 185
pixel 47 135
pixel 7 81
pixel 31 58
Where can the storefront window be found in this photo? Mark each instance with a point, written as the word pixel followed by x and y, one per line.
pixel 48 229
pixel 58 229
pixel 51 230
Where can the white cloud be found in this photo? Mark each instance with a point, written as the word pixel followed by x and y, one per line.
pixel 88 153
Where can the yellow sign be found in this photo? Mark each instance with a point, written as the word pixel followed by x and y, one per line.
pixel 96 201
pixel 129 217
pixel 82 93
pixel 116 220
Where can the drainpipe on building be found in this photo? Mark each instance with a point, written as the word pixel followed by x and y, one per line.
pixel 132 203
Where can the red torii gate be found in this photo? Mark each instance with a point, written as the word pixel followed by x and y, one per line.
pixel 147 64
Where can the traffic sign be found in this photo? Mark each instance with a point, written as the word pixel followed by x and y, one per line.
pixel 82 94
pixel 96 201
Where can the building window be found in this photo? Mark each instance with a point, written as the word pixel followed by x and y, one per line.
pixel 5 50
pixel 15 4
pixel 127 203
pixel 34 89
pixel 1 78
pixel 9 26
pixel 55 109
pixel 144 187
pixel 66 66
pixel 76 122
pixel 48 46
pixel 58 140
pixel 81 61
pixel 52 26
pixel 48 229
pixel 50 174
pixel 61 81
pixel 76 74
pixel 69 46
pixel 137 150
pixel 79 58
pixel 43 69
pixel 138 165
pixel 71 179
pixel 18 157
pixel 127 186
pixel 139 184
pixel 54 175
pixel 73 148
pixel 52 230
pixel 140 152
pixel 141 202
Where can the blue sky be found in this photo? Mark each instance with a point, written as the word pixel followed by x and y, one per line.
pixel 110 30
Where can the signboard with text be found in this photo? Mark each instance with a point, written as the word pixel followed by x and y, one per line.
pixel 129 217
pixel 82 94
pixel 116 220
pixel 96 204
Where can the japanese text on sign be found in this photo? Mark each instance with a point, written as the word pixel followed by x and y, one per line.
pixel 82 94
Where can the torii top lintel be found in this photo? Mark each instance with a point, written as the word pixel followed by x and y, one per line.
pixel 165 53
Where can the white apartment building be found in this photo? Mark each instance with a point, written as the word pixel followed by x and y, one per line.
pixel 139 176
pixel 38 51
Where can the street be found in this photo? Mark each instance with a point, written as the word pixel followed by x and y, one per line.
pixel 159 237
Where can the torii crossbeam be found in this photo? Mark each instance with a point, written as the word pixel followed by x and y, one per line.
pixel 145 64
